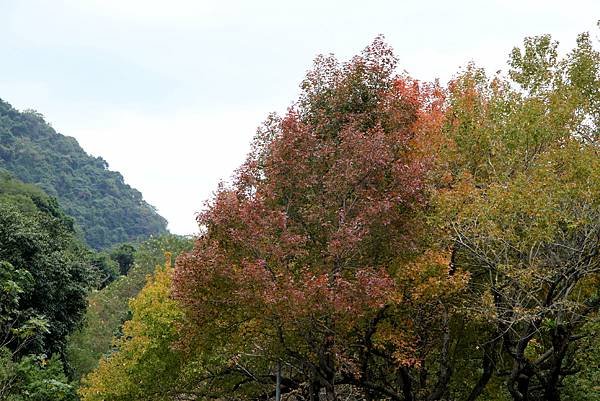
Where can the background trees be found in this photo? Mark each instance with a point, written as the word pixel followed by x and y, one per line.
pixel 145 366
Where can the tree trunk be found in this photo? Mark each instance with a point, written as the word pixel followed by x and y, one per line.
pixel 278 383
pixel 406 384
pixel 560 344
pixel 523 370
pixel 313 391
pixel 518 383
pixel 445 372
pixel 489 364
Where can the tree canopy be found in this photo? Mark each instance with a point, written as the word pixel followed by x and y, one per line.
pixel 39 248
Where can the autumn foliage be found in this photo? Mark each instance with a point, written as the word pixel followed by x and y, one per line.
pixel 393 239
pixel 318 245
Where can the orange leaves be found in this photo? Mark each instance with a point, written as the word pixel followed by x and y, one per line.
pixel 403 341
pixel 429 278
pixel 311 294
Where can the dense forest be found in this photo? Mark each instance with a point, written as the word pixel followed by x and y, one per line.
pixel 107 210
pixel 385 239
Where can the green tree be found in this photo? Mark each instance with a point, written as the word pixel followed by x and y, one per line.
pixel 106 268
pixel 124 255
pixel 37 241
pixel 34 378
pixel 519 200
pixel 44 277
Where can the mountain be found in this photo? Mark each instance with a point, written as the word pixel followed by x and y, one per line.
pixel 106 210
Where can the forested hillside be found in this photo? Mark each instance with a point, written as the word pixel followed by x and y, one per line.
pixel 107 210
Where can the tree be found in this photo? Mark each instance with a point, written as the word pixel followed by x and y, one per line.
pixel 317 258
pixel 144 366
pixel 44 277
pixel 522 213
pixel 33 378
pixel 124 255
pixel 36 242
pixel 107 269
pixel 108 308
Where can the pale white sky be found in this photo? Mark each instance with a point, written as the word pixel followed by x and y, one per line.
pixel 170 92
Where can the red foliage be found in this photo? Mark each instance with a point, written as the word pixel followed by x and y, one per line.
pixel 325 208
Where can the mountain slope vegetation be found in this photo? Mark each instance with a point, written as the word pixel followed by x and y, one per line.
pixel 105 208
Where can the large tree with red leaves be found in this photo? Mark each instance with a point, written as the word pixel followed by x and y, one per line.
pixel 311 271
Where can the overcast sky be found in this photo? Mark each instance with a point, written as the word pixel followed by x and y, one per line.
pixel 170 92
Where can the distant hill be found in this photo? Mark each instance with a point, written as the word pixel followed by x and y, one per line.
pixel 107 210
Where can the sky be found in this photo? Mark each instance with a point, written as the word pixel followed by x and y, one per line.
pixel 170 93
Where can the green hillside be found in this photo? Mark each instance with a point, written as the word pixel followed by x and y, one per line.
pixel 107 210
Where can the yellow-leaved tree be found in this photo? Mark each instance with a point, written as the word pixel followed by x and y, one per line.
pixel 144 363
